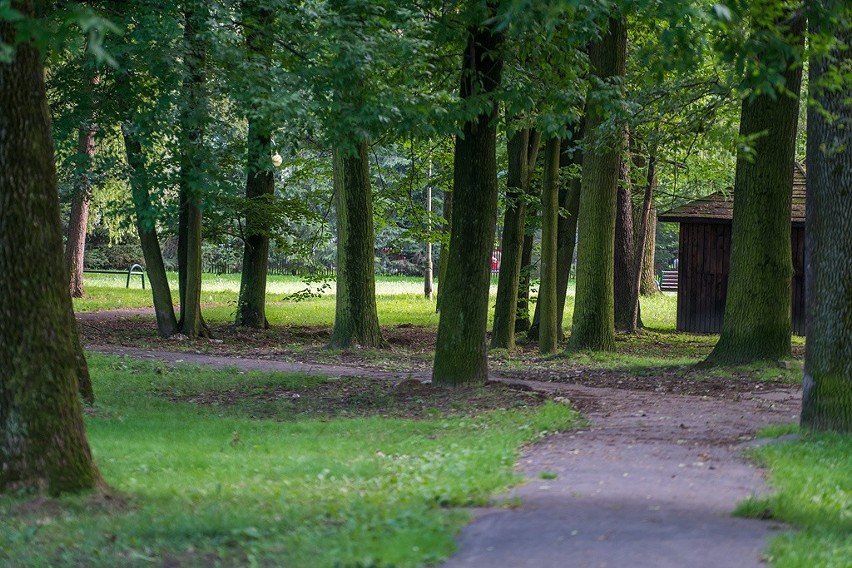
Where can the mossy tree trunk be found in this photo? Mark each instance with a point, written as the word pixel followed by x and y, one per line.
pixel 258 20
pixel 547 293
pixel 193 178
pixel 147 230
pixel 356 320
pixel 593 322
pixel 567 238
pixel 522 151
pixel 827 396
pixel 523 322
pixel 625 252
pixel 460 353
pixel 757 324
pixel 43 444
pixel 566 233
pixel 649 285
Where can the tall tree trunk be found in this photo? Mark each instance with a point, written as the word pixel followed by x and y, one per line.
pixel 757 324
pixel 547 292
pixel 445 247
pixel 522 319
pixel 827 396
pixel 75 246
pixel 625 249
pixel 356 320
pixel 260 179
pixel 566 234
pixel 146 227
pixel 194 116
pixel 43 444
pixel 593 322
pixel 460 353
pixel 429 269
pixel 522 151
pixel 643 223
pixel 567 239
pixel 649 285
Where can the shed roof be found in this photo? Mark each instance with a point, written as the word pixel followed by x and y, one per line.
pixel 718 207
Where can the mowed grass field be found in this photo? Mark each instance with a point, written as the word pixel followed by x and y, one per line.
pixel 198 481
pixel 399 300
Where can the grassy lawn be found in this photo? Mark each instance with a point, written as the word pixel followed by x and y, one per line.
pixel 201 480
pixel 813 479
pixel 399 299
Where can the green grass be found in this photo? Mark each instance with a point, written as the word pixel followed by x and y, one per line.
pixel 813 478
pixel 206 485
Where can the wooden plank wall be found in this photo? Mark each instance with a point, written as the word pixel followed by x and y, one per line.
pixel 703 264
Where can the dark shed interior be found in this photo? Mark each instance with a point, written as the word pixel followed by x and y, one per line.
pixel 704 252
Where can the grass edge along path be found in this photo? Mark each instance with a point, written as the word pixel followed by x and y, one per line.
pixel 199 485
pixel 812 476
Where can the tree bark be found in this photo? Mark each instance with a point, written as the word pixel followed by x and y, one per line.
pixel 522 319
pixel 827 387
pixel 625 248
pixel 593 322
pixel 75 246
pixel 460 353
pixel 429 269
pixel 194 116
pixel 757 324
pixel 146 227
pixel 356 320
pixel 566 234
pixel 447 211
pixel 644 223
pixel 547 292
pixel 522 152
pixel 649 285
pixel 260 179
pixel 43 444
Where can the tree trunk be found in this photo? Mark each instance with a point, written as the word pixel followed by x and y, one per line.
pixel 566 234
pixel 757 324
pixel 567 238
pixel 644 223
pixel 356 320
pixel 522 151
pixel 550 216
pixel 522 319
pixel 649 281
pixel 460 353
pixel 260 179
pixel 75 246
pixel 429 269
pixel 827 387
pixel 593 323
pixel 625 248
pixel 445 247
pixel 146 227
pixel 43 444
pixel 194 116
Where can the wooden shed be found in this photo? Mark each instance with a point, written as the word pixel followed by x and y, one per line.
pixel 704 252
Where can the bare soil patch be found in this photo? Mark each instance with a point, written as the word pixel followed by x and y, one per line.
pixel 362 397
pixel 411 347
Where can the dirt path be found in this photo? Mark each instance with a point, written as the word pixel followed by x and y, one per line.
pixel 651 483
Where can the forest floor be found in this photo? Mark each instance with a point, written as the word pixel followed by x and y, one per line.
pixel 651 481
